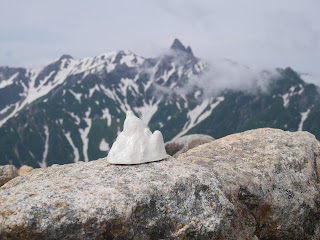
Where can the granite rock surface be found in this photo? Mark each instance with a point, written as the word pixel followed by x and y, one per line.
pixel 183 144
pixel 24 170
pixel 97 200
pixel 7 172
pixel 260 184
pixel 271 177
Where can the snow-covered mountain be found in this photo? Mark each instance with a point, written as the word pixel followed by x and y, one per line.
pixel 72 110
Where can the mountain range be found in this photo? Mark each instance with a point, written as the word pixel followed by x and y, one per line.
pixel 72 110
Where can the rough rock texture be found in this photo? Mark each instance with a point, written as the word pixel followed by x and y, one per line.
pixel 24 170
pixel 261 184
pixel 271 178
pixel 97 200
pixel 7 172
pixel 182 144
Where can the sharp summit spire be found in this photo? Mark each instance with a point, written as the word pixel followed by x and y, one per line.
pixel 178 46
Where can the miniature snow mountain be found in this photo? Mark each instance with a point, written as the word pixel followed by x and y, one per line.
pixel 136 144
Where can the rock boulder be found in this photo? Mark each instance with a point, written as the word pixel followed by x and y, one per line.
pixel 257 184
pixel 97 200
pixel 24 170
pixel 271 177
pixel 7 172
pixel 182 144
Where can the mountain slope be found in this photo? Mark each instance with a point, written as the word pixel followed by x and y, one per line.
pixel 72 110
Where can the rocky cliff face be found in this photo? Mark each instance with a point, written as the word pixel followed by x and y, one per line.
pixel 257 184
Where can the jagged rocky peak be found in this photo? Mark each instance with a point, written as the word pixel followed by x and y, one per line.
pixel 178 46
pixel 65 56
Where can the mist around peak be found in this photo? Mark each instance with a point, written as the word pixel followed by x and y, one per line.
pixel 215 77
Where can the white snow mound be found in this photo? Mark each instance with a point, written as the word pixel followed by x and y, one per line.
pixel 136 144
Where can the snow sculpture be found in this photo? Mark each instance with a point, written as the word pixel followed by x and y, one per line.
pixel 136 144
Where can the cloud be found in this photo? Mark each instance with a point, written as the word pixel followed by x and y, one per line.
pixel 224 75
pixel 262 35
pixel 189 11
pixel 311 78
pixel 219 75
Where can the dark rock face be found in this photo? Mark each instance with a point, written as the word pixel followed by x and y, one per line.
pixel 260 184
pixel 182 144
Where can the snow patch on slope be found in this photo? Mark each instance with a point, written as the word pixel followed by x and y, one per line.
pixel 76 118
pixel 9 81
pixel 104 146
pixel 106 61
pixel 124 106
pixel 75 149
pixel 199 113
pixel 199 66
pixel 147 111
pixel 4 110
pixel 304 116
pixel 147 85
pixel 20 105
pixel 197 94
pixel 45 80
pixel 68 66
pixel 301 89
pixel 43 164
pixel 37 92
pixel 76 95
pixel 125 84
pixel 107 115
pixel 92 90
pixel 286 97
pixel 84 135
pixel 131 60
pixel 168 74
pixel 108 92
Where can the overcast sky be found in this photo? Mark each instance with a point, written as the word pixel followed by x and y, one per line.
pixel 260 34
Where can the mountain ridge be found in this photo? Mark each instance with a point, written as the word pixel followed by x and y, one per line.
pixel 72 110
